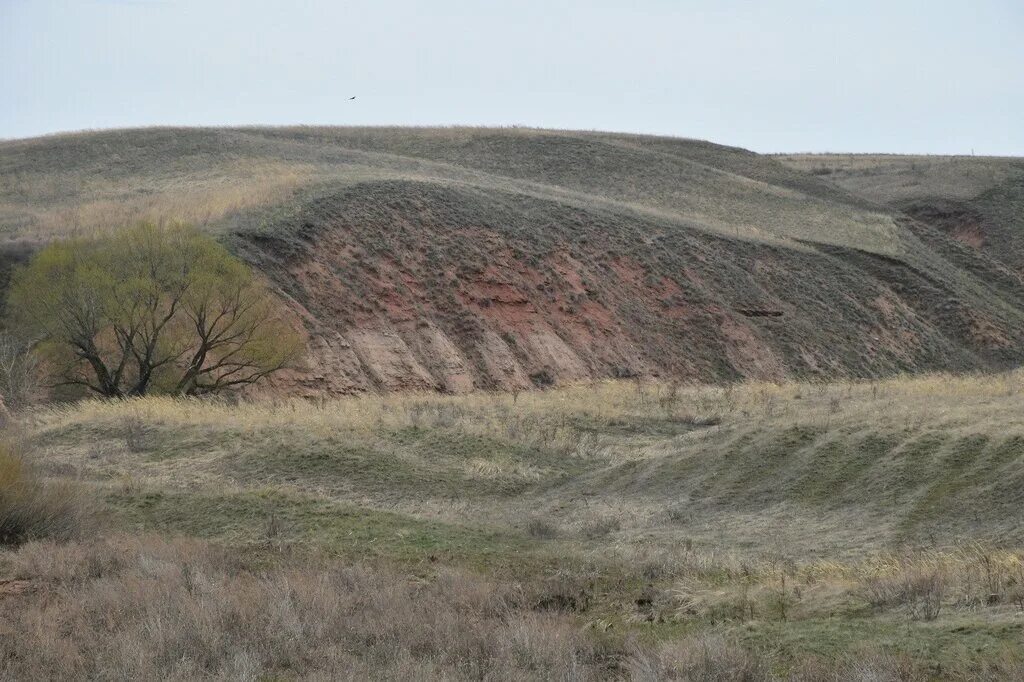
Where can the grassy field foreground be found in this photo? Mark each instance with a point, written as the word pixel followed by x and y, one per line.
pixel 867 530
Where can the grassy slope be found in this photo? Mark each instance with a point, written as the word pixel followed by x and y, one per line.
pixel 661 512
pixel 208 173
pixel 977 200
pixel 902 460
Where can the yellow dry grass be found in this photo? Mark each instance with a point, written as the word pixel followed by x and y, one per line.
pixel 596 439
pixel 968 403
pixel 103 206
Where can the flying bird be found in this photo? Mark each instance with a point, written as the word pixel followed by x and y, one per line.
pixel 352 97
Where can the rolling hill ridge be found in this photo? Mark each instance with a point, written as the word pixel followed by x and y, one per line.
pixel 458 259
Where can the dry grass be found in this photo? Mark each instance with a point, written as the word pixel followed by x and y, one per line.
pixel 889 178
pixel 637 511
pixel 50 186
pixel 942 401
pixel 915 586
pixel 146 608
pixel 199 198
pixel 31 508
pixel 975 200
pixel 700 659
pixel 855 465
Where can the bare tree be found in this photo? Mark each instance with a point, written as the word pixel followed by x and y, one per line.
pixel 21 380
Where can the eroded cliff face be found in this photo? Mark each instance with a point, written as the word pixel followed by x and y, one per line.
pixel 420 299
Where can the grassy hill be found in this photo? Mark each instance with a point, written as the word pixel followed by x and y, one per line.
pixel 978 201
pixel 455 258
pixel 868 530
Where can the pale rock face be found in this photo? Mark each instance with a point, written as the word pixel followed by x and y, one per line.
pixel 389 362
pixel 442 358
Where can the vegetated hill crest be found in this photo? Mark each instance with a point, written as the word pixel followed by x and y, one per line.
pixel 459 258
pixel 978 201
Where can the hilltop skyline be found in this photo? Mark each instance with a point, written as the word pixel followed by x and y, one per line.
pixel 937 78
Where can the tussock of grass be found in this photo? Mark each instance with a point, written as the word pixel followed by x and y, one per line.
pixel 704 659
pixel 31 508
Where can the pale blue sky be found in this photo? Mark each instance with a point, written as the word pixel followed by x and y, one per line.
pixel 939 76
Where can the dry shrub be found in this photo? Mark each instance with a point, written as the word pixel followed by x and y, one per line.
pixel 21 376
pixel 921 591
pixel 882 667
pixel 700 659
pixel 134 431
pixel 541 529
pixel 31 508
pixel 600 527
pixel 150 608
pixel 564 591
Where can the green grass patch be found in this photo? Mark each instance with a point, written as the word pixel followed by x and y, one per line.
pixel 948 477
pixel 962 643
pixel 267 517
